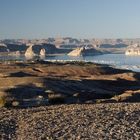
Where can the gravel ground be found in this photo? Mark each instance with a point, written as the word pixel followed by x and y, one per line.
pixel 87 121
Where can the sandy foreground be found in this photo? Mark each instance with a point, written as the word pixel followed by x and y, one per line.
pixel 86 121
pixel 77 82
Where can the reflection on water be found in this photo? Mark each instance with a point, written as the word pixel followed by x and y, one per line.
pixel 117 60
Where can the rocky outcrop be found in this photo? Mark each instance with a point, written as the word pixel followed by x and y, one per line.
pixel 35 52
pixel 83 51
pixel 29 54
pixel 77 52
pixel 133 50
pixel 42 53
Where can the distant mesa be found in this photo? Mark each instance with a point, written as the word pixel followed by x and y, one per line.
pixel 133 50
pixel 67 45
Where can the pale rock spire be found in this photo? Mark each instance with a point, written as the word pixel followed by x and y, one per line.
pixel 29 54
pixel 42 53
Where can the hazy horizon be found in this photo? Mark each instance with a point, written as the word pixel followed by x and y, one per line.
pixel 85 19
pixel 68 37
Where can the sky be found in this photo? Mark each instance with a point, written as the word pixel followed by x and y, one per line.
pixel 40 19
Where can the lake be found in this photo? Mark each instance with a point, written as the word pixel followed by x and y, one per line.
pixel 116 60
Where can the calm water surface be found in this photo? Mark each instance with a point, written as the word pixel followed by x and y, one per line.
pixel 116 60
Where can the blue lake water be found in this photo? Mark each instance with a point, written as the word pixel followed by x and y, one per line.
pixel 116 60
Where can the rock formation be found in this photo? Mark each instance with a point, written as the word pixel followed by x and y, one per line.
pixel 84 51
pixel 42 53
pixel 77 52
pixel 29 54
pixel 133 50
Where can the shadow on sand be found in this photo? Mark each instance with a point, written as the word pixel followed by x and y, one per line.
pixel 63 91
